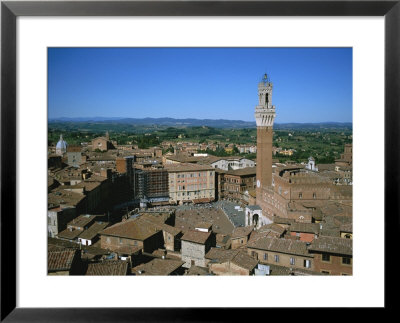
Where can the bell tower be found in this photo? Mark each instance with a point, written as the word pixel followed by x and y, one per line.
pixel 265 116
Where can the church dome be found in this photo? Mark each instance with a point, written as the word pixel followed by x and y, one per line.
pixel 61 146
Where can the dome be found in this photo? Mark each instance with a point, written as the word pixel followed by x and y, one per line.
pixel 61 146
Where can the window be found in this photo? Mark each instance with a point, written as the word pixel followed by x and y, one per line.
pixel 326 257
pixel 300 195
pixel 120 240
pixel 346 261
pixel 292 261
pixel 265 256
pixel 307 263
pixel 314 195
pixel 325 272
pixel 276 257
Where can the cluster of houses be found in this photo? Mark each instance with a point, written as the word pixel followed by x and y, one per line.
pixel 119 210
pixel 154 243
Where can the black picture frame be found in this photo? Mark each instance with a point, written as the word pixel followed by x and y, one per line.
pixel 10 10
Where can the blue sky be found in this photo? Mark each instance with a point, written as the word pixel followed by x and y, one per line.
pixel 310 84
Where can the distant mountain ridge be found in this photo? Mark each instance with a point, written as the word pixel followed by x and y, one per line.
pixel 191 122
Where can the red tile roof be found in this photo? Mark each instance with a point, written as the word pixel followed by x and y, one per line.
pixel 196 236
pixel 61 260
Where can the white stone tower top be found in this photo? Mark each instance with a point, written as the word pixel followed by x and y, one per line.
pixel 265 111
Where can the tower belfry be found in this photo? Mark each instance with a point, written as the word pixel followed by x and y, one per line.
pixel 265 116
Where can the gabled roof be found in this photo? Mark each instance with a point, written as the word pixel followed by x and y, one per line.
pixel 243 260
pixel 236 256
pixel 69 234
pixel 93 230
pixel 247 171
pixel 196 236
pixel 82 220
pixel 61 260
pixel 272 227
pixel 108 268
pixel 158 267
pixel 333 245
pixel 241 232
pixel 287 246
pixel 305 227
pixel 131 229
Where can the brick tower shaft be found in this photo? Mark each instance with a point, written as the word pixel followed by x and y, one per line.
pixel 265 116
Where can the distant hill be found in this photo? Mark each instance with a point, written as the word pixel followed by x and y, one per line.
pixel 219 123
pixel 319 125
pixel 169 122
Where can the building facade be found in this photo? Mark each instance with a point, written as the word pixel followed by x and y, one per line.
pixel 190 183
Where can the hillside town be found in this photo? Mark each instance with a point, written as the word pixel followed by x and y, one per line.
pixel 116 209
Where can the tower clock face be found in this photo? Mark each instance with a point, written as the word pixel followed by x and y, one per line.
pixel 258 183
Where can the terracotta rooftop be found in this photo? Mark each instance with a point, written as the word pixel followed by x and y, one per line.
pixel 71 149
pixel 248 171
pixel 62 197
pixel 196 236
pixel 93 230
pixel 186 167
pixel 334 245
pixel 244 260
pixel 69 234
pixel 82 220
pixel 61 260
pixel 131 229
pixel 287 246
pixel 219 255
pixel 197 271
pixel 305 227
pixel 108 268
pixel 273 227
pixel 240 232
pixel 236 256
pixel 158 267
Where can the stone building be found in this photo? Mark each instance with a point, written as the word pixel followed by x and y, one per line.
pixel 74 156
pixel 195 245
